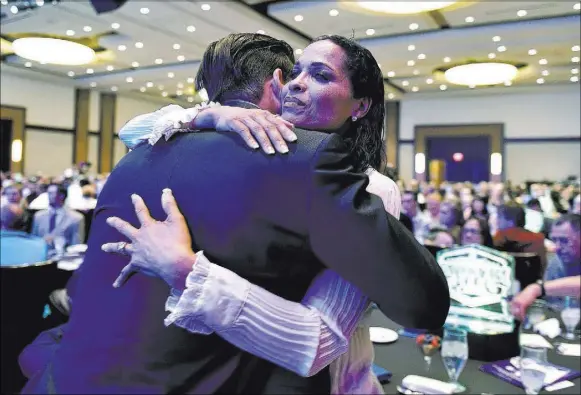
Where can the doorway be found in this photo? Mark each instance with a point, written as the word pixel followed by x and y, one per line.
pixel 12 128
pixel 465 158
pixel 5 144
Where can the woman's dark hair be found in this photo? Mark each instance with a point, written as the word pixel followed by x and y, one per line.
pixel 484 200
pixel 484 231
pixel 365 135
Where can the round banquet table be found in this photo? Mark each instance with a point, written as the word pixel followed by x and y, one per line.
pixel 403 358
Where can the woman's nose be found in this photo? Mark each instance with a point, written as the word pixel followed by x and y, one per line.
pixel 297 84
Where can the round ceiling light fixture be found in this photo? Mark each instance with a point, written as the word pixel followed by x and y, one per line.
pixel 404 7
pixel 480 73
pixel 53 51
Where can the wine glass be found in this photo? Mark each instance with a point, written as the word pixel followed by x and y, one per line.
pixel 428 345
pixel 532 368
pixel 455 355
pixel 570 316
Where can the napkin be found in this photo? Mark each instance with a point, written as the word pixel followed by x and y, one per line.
pixel 550 328
pixel 534 340
pixel 427 386
pixel 573 350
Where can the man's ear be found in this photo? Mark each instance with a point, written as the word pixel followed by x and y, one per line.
pixel 362 107
pixel 277 82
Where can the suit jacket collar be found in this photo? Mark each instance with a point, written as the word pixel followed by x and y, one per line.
pixel 241 104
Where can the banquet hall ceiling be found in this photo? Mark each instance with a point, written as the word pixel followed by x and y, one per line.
pixel 153 48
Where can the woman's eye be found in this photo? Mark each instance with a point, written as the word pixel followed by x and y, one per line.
pixel 321 77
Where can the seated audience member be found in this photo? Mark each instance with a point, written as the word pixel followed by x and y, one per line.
pixel 466 201
pixel 58 220
pixel 439 237
pixel 432 212
pixel 535 220
pixel 479 208
pixel 18 247
pixel 513 237
pixel 476 231
pixel 565 235
pixel 420 222
pixel 576 206
pixel 12 194
pixel 451 218
pixel 567 286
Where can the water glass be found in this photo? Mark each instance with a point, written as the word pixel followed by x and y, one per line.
pixel 59 245
pixel 535 314
pixel 455 354
pixel 570 316
pixel 533 361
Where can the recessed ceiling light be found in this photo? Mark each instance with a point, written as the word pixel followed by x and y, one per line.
pixel 110 68
pixel 164 94
pixel 298 51
pixel 129 79
pixel 179 92
pixel 471 86
pixel 176 46
pixel 180 85
pixel 543 61
pixel 443 87
pixel 411 47
pixel 405 83
pixel 90 71
pixel 333 12
pixel 574 79
pixel 144 10
pixel 577 7
pixel 158 61
pixel 575 48
pixel 115 26
pixel 414 26
pixel 87 29
pixel 496 39
pixel 416 72
pixel 205 7
pixel 181 58
pixel 411 63
pixel 170 75
pixel 71 73
pixel 143 89
pixel 469 19
pixel 532 52
pixel 391 74
pixel 190 80
pixel 191 28
pixel 114 88
pixel 390 95
pixel 447 60
pixel 27 64
pixel 139 44
pixel 421 56
pixel 540 80
pixel 121 48
pixel 134 64
pixel 507 83
pixel 491 55
pixel 190 99
pixel 574 71
pixel 70 32
pixel 370 32
pixel 575 59
pixel 502 48
pixel 415 89
pixel 545 73
pixel 429 81
pixel 149 84
pixel 521 13
pixel 298 18
pixel 93 84
pixel 260 32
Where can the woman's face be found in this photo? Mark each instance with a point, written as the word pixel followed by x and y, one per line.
pixel 319 96
pixel 478 206
pixel 471 233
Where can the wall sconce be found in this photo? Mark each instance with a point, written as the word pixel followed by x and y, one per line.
pixel 16 151
pixel 496 164
pixel 420 163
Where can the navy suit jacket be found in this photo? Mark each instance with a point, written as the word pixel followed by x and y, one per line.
pixel 275 220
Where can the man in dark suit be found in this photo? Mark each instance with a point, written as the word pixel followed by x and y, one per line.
pixel 278 227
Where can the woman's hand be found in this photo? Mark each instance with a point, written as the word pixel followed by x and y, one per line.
pixel 157 249
pixel 258 128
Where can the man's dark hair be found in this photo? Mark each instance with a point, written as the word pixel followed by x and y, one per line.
pixel 514 213
pixel 573 219
pixel 237 66
pixel 434 232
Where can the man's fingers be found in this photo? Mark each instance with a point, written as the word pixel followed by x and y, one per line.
pixel 125 274
pixel 259 134
pixel 123 227
pixel 244 132
pixel 170 206
pixel 121 248
pixel 141 210
pixel 273 133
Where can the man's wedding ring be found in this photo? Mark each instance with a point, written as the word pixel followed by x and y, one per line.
pixel 121 249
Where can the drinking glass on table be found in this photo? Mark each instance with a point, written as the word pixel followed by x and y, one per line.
pixel 533 361
pixel 455 354
pixel 570 316
pixel 59 243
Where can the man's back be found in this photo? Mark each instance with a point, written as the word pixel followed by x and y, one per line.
pixel 246 210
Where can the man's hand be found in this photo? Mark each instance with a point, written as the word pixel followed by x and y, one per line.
pixel 157 249
pixel 521 302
